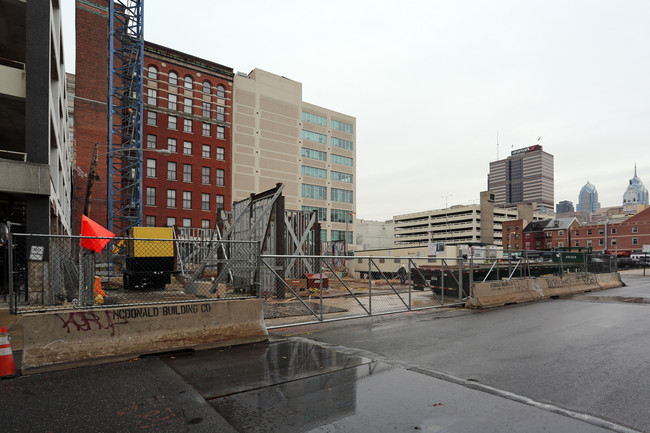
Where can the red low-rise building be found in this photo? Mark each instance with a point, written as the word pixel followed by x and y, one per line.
pixel 538 235
pixel 620 238
pixel 512 234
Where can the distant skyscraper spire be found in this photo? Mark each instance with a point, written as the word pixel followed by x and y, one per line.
pixel 636 193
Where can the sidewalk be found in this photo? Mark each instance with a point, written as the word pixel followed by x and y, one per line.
pixel 639 271
pixel 14 324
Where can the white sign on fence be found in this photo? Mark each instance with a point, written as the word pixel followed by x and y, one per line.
pixel 36 253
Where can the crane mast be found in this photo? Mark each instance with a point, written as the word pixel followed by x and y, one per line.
pixel 125 102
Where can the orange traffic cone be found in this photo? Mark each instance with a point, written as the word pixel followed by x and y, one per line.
pixel 7 364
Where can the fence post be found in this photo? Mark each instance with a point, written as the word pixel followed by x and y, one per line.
pixel 461 290
pixel 471 274
pixel 369 288
pixel 527 263
pixel 10 269
pixel 81 276
pixel 442 282
pixel 320 279
pixel 509 263
pixel 498 277
pixel 258 283
pixel 408 275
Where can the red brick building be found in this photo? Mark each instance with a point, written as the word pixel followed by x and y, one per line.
pixel 558 232
pixel 90 109
pixel 187 109
pixel 512 234
pixel 621 238
pixel 538 235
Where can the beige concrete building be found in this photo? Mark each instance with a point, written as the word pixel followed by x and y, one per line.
pixel 459 224
pixel 278 138
pixel 374 234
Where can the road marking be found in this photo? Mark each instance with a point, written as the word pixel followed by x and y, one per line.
pixel 472 384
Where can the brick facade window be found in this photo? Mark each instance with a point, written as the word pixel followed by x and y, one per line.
pixel 173 81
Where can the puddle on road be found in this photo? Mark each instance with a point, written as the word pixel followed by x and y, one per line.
pixel 220 372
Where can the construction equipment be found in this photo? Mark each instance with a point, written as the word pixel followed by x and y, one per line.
pixel 149 263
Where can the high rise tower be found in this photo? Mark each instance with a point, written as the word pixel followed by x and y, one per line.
pixel 526 176
pixel 588 199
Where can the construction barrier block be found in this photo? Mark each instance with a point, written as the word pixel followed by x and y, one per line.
pixel 567 285
pixel 502 292
pixel 497 293
pixel 609 281
pixel 63 339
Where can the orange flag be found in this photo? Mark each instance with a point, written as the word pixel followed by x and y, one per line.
pixel 91 228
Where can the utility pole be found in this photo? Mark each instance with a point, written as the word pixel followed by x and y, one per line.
pixel 91 180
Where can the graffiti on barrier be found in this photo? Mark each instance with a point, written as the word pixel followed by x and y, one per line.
pixel 87 321
pixel 107 320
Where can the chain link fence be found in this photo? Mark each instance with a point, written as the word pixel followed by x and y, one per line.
pixel 299 289
pixel 56 272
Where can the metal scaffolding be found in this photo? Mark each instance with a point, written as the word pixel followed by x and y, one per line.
pixel 125 98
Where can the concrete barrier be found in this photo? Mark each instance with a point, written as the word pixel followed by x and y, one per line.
pixel 609 281
pixel 498 293
pixel 567 285
pixel 65 339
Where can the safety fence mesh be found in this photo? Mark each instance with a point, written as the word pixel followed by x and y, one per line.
pixel 63 272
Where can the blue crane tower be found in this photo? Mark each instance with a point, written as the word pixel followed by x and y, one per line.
pixel 125 100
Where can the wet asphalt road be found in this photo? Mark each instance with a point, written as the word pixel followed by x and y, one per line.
pixel 590 354
pixel 575 365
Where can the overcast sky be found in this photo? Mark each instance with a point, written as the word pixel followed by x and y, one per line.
pixel 432 82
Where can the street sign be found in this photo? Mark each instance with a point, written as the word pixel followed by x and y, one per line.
pixel 568 257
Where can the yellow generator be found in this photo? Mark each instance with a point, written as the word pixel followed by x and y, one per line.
pixel 149 263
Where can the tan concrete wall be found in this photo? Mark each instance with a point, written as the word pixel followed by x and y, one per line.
pixel 67 338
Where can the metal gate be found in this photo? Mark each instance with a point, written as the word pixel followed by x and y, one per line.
pixel 364 286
